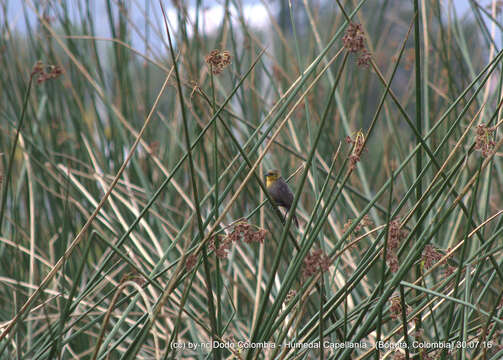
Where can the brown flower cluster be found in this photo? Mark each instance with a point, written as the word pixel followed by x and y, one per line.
pixel 46 72
pixel 449 270
pixel 396 308
pixel 430 256
pixel 392 261
pixel 395 236
pixel 241 230
pixel 220 245
pixel 358 147
pixel 289 297
pixel 255 236
pixel 314 262
pixel 353 41
pixel 365 221
pixel 247 232
pixel 364 58
pixel 353 38
pixel 218 60
pixel 484 140
pixel 190 261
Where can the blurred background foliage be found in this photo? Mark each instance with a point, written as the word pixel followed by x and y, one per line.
pixel 124 290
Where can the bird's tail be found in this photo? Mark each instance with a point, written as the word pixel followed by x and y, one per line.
pixel 295 220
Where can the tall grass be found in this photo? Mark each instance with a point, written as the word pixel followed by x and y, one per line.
pixel 135 222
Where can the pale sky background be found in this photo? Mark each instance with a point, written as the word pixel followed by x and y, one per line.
pixel 255 13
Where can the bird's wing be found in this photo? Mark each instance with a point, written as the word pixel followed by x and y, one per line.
pixel 287 194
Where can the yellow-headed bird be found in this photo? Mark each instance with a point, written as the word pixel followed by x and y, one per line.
pixel 280 191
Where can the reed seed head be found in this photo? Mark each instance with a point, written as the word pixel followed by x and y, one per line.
pixel 218 60
pixel 353 38
pixel 484 141
pixel 314 262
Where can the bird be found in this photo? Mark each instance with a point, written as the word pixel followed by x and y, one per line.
pixel 280 191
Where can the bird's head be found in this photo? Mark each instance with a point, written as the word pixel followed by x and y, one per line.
pixel 271 177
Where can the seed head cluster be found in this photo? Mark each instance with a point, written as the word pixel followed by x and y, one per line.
pixel 396 308
pixel 395 235
pixel 314 262
pixel 190 261
pixel 364 58
pixel 430 256
pixel 365 221
pixel 242 230
pixel 449 270
pixel 353 38
pixel 218 60
pixel 484 141
pixel 358 147
pixel 353 41
pixel 222 248
pixel 46 72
